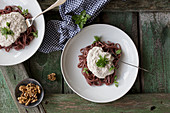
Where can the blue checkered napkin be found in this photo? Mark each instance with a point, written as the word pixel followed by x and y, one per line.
pixel 58 32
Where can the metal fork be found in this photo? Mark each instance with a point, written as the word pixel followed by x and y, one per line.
pixel 29 22
pixel 137 67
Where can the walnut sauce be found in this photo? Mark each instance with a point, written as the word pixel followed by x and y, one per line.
pixel 93 57
pixel 17 25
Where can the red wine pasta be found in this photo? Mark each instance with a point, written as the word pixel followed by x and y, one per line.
pixel 89 76
pixel 25 38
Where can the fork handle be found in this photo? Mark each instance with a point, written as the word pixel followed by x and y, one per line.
pixel 57 3
pixel 137 67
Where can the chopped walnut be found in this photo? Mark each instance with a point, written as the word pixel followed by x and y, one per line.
pixel 52 77
pixel 29 93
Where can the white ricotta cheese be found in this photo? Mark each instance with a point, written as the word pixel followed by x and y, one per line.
pixel 17 25
pixel 93 57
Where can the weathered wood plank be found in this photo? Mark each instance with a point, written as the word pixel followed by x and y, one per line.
pixel 139 5
pixel 155 41
pixel 126 5
pixel 40 65
pixel 7 104
pixel 13 75
pixel 140 103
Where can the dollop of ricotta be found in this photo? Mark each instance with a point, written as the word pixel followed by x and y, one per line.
pixel 93 57
pixel 17 25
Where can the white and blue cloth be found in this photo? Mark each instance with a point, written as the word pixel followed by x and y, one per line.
pixel 58 32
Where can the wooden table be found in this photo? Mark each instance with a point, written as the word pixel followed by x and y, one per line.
pixel 147 22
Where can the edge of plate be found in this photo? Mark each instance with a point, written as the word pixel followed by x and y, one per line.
pixel 61 63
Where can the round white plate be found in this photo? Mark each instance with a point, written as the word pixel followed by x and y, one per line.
pixel 15 57
pixel 126 74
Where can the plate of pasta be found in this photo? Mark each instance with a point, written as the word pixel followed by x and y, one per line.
pixel 91 66
pixel 17 41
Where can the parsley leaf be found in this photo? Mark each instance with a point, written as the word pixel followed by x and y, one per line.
pixel 20 7
pixel 35 34
pixel 102 61
pixel 25 12
pixel 83 13
pixel 115 82
pixel 81 19
pixel 111 68
pixel 8 24
pixel 85 70
pixel 6 31
pixel 118 51
pixel 97 38
pixel 115 78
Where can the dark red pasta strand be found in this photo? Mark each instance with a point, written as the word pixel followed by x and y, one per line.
pixel 26 37
pixel 90 77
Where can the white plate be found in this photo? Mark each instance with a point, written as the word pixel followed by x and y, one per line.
pixel 15 57
pixel 126 74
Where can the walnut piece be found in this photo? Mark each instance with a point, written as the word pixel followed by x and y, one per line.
pixel 29 93
pixel 52 77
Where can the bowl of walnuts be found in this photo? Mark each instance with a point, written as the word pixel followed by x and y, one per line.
pixel 29 92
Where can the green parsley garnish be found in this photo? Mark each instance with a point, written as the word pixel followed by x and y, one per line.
pixel 102 61
pixel 35 34
pixel 81 19
pixel 115 82
pixel 20 7
pixel 97 38
pixel 6 31
pixel 25 12
pixel 85 70
pixel 118 51
pixel 8 24
pixel 111 68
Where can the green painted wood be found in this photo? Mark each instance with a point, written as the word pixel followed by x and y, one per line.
pixel 138 103
pixel 13 75
pixel 139 5
pixel 126 5
pixel 40 65
pixel 155 45
pixel 7 104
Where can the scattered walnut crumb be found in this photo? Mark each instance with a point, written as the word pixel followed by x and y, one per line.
pixel 52 77
pixel 29 93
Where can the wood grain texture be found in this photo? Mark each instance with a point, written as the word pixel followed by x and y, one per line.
pixel 139 5
pixel 126 5
pixel 40 65
pixel 13 75
pixel 7 104
pixel 140 103
pixel 155 41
